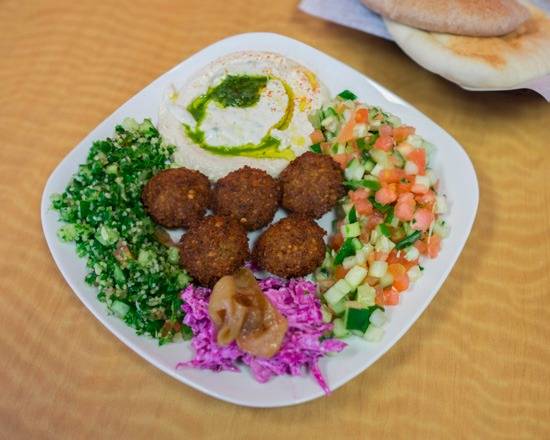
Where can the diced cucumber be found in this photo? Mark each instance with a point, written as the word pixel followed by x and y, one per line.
pixel 357 244
pixel 386 280
pixel 384 244
pixel 393 120
pixel 378 318
pixel 411 253
pixel 368 165
pixel 378 268
pixel 354 170
pixel 326 313
pixel 373 334
pixel 380 157
pixel 414 273
pixel 120 309
pixel 374 236
pixel 360 130
pixel 441 205
pixel 351 230
pixel 441 228
pixel 337 292
pixel 422 181
pixel 414 140
pixel 411 168
pixel 339 307
pixel 377 169
pixel 339 328
pixel 432 176
pixel 408 228
pixel 360 257
pixel 355 276
pixel 349 262
pixel 357 319
pixel 404 148
pixel 366 295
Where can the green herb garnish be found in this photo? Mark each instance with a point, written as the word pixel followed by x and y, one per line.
pixel 409 240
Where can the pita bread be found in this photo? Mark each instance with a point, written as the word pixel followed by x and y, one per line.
pixel 476 18
pixel 492 62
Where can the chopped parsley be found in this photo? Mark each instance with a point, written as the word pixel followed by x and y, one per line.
pixel 138 278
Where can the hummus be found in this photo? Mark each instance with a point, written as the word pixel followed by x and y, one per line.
pixel 246 108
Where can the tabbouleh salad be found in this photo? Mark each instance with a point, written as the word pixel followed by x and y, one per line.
pixel 138 277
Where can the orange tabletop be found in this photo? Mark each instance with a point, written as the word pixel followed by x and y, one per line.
pixel 475 365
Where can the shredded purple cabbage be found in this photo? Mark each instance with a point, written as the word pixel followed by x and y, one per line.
pixel 302 346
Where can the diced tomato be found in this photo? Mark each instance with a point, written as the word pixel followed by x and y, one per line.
pixel 346 132
pixel 426 199
pixel 390 297
pixel 359 194
pixel 394 259
pixel 385 195
pixel 418 156
pixel 317 136
pixel 364 207
pixel 375 219
pixel 336 241
pixel 393 175
pixel 404 208
pixel 429 246
pixel 405 184
pixel 421 246
pixel 400 277
pixel 401 282
pixel 434 245
pixel 380 256
pixel 361 115
pixel 385 130
pixel 396 269
pixel 340 272
pixel 402 133
pixel 360 200
pixel 384 143
pixel 342 159
pixel 422 219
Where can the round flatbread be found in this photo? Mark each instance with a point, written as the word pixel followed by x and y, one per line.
pixel 478 18
pixel 492 62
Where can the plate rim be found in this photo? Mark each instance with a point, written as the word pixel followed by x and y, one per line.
pixel 388 95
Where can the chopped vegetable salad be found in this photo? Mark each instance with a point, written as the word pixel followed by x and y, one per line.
pixel 389 221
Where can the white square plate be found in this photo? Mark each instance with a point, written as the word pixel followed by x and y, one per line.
pixel 451 163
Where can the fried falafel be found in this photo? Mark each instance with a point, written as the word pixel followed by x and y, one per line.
pixel 177 197
pixel 249 195
pixel 213 247
pixel 311 185
pixel 292 247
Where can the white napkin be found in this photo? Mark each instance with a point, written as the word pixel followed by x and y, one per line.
pixel 353 14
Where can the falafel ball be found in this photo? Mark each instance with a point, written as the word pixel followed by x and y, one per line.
pixel 177 197
pixel 292 247
pixel 249 195
pixel 213 247
pixel 311 185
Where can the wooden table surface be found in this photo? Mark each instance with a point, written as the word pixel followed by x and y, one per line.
pixel 475 365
